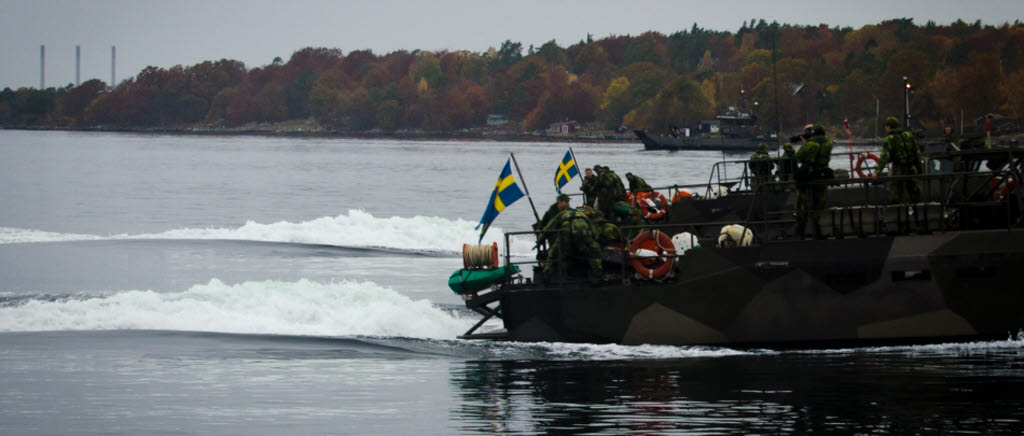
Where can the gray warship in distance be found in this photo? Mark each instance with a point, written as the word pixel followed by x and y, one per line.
pixel 946 268
pixel 736 131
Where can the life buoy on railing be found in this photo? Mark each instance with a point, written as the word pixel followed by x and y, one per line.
pixel 661 198
pixel 651 210
pixel 1001 187
pixel 653 254
pixel 860 163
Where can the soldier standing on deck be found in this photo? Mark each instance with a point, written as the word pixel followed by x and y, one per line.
pixel 609 190
pixel 761 166
pixel 589 187
pixel 951 141
pixel 901 149
pixel 561 203
pixel 810 197
pixel 787 163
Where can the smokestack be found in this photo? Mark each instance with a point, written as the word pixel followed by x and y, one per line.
pixel 113 65
pixel 42 67
pixel 78 65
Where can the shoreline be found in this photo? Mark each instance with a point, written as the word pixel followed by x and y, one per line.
pixel 301 133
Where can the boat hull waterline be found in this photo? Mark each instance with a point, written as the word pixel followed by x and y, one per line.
pixel 919 288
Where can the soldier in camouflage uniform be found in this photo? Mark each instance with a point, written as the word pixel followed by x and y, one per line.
pixel 761 166
pixel 608 234
pixel 810 197
pixel 787 163
pixel 574 239
pixel 609 190
pixel 626 215
pixel 561 203
pixel 825 153
pixel 637 184
pixel 589 187
pixel 902 151
pixel 951 141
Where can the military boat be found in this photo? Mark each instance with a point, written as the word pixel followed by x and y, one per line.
pixel 736 131
pixel 944 268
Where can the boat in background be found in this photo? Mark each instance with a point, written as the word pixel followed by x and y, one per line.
pixel 735 131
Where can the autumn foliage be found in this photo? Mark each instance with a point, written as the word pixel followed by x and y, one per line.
pixel 787 75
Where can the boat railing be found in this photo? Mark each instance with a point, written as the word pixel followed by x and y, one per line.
pixel 956 194
pixel 950 201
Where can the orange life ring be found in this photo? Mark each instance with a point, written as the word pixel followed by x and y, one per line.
pixel 654 195
pixel 658 242
pixel 651 213
pixel 1000 187
pixel 860 162
pixel 662 199
pixel 680 194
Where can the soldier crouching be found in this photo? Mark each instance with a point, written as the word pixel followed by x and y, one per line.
pixel 573 240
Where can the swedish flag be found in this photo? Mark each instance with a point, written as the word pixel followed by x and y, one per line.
pixel 567 169
pixel 505 193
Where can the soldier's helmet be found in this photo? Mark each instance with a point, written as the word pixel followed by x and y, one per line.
pixel 621 208
pixel 892 122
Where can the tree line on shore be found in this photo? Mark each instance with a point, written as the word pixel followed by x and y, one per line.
pixel 817 74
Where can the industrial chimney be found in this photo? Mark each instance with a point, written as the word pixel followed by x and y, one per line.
pixel 78 65
pixel 113 66
pixel 42 67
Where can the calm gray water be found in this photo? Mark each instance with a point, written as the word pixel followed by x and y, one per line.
pixel 159 284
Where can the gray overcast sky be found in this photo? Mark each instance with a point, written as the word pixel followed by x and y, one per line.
pixel 167 33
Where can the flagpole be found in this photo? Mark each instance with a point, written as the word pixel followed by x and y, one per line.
pixel 846 121
pixel 580 167
pixel 535 214
pixel 581 175
pixel 574 158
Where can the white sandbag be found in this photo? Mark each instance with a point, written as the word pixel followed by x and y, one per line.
pixel 685 241
pixel 735 235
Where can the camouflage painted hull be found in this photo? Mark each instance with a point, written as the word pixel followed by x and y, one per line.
pixel 661 142
pixel 918 288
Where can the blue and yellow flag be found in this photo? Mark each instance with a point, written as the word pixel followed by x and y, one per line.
pixel 567 169
pixel 505 193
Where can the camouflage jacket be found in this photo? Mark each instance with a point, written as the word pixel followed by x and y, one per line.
pixel 808 153
pixel 569 222
pixel 548 216
pixel 900 149
pixel 761 163
pixel 824 156
pixel 607 233
pixel 589 188
pixel 613 184
pixel 637 184
pixel 787 163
